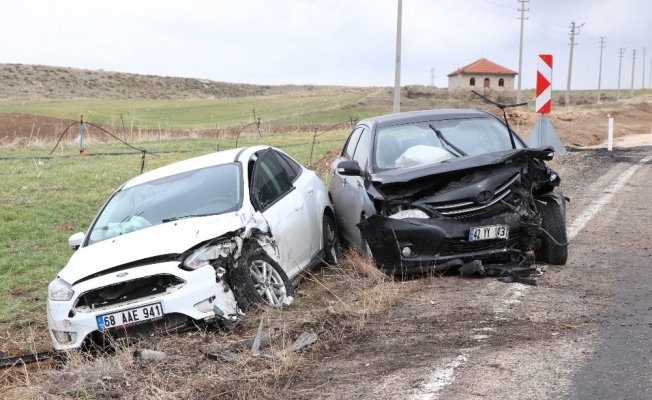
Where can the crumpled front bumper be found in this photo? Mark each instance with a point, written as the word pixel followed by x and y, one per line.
pixel 434 241
pixel 195 299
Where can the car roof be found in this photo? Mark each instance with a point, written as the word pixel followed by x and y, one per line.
pixel 427 115
pixel 208 160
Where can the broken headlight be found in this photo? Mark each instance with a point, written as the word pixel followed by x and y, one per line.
pixel 412 213
pixel 205 254
pixel 60 290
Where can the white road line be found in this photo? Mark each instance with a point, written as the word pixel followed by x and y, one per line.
pixel 445 375
pixel 440 378
pixel 581 221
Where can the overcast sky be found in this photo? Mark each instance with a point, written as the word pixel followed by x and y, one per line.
pixel 334 42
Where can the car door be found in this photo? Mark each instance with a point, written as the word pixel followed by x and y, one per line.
pixel 306 182
pixel 340 192
pixel 350 197
pixel 360 204
pixel 284 209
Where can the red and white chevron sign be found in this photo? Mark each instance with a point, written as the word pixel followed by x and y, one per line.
pixel 544 84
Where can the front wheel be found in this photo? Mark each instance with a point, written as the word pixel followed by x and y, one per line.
pixel 261 280
pixel 554 241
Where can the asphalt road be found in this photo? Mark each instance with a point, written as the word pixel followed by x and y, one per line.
pixel 621 366
pixel 583 333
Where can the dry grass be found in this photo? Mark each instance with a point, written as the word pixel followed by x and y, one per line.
pixel 334 302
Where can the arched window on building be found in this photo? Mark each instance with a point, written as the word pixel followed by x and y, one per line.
pixel 486 82
pixel 501 82
pixel 472 82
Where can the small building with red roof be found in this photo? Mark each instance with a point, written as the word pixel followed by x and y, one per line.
pixel 482 73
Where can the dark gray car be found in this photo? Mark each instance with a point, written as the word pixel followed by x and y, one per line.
pixel 434 190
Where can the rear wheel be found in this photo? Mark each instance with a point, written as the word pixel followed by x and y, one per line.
pixel 261 280
pixel 554 241
pixel 329 233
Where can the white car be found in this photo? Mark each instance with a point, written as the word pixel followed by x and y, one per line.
pixel 191 244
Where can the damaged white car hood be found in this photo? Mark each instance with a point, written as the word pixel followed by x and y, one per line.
pixel 168 238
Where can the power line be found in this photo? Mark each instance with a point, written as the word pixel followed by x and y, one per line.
pixel 549 21
pixel 547 27
pixel 499 5
pixel 544 33
pixel 491 11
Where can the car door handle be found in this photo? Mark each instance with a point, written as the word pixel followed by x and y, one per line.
pixel 343 181
pixel 298 206
pixel 310 189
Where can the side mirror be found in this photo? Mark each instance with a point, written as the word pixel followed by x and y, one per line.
pixel 349 168
pixel 75 240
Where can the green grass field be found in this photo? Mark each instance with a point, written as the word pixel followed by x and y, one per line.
pixel 45 200
pixel 201 114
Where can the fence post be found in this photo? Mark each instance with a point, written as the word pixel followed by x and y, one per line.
pixel 314 137
pixel 81 137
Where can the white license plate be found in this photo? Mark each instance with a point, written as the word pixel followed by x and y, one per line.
pixel 489 232
pixel 131 316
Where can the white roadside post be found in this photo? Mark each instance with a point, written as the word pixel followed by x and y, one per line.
pixel 650 129
pixel 610 137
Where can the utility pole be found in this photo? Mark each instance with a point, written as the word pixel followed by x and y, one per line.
pixel 575 30
pixel 621 52
pixel 520 49
pixel 432 77
pixel 643 87
pixel 631 93
pixel 602 43
pixel 397 69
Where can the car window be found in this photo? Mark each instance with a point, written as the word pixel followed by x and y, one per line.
pixel 200 192
pixel 350 145
pixel 363 149
pixel 290 166
pixel 414 144
pixel 270 181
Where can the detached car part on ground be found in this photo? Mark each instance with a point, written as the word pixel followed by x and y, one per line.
pixel 448 189
pixel 190 244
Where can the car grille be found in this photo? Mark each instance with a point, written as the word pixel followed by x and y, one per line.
pixel 459 246
pixel 123 292
pixel 466 209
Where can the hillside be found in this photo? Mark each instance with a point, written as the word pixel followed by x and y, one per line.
pixel 39 82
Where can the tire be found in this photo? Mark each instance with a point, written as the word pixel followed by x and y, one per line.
pixel 553 221
pixel 260 280
pixel 330 240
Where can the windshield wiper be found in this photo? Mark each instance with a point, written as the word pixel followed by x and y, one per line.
pixel 503 107
pixel 186 216
pixel 444 140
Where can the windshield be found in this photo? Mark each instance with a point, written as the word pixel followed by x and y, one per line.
pixel 201 192
pixel 410 145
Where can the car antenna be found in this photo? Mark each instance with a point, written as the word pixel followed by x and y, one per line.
pixel 503 107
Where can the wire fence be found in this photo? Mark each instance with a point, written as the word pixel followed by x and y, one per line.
pixel 85 126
